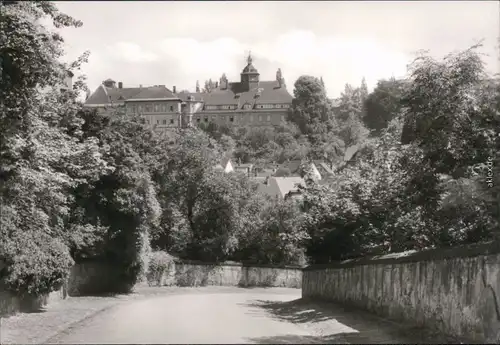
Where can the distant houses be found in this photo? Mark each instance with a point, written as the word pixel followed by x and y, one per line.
pixel 284 179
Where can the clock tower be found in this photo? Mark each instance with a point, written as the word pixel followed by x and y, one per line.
pixel 250 75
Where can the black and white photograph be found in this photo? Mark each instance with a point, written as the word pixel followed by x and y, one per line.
pixel 249 172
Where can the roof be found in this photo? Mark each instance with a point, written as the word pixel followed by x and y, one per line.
pixel 243 165
pixel 281 186
pixel 105 95
pixel 250 69
pixel 350 152
pixel 154 92
pixel 323 168
pixel 235 94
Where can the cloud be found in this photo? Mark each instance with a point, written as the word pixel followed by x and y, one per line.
pixel 338 60
pixel 130 52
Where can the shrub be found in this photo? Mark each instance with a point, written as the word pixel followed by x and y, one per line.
pixel 35 266
pixel 160 263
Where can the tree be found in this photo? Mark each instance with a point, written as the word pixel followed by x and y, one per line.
pixel 311 110
pixel 42 151
pixel 351 128
pixel 383 104
pixel 122 204
pixel 276 236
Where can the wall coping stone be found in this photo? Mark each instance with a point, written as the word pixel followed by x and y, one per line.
pixel 234 264
pixel 472 250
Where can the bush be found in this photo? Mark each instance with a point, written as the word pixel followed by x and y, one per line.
pixel 35 266
pixel 159 263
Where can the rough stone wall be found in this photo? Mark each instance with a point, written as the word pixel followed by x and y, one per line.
pixel 198 274
pixel 11 304
pixel 92 277
pixel 454 291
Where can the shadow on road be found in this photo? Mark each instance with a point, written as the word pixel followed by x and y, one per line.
pixel 336 325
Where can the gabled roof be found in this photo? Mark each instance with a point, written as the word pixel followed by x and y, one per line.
pixel 281 186
pixel 105 95
pixel 154 92
pixel 323 168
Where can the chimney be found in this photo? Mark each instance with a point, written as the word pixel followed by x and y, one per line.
pixel 174 89
pixel 120 85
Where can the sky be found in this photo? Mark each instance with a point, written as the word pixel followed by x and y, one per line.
pixel 177 43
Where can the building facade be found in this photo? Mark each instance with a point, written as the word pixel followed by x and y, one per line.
pixel 248 102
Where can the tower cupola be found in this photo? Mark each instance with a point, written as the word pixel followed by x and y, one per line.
pixel 250 75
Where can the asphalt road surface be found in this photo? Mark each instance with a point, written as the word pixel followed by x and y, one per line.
pixel 251 316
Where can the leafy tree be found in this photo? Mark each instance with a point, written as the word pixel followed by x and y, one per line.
pixel 42 151
pixel 121 206
pixel 352 130
pixel 311 109
pixel 383 104
pixel 276 236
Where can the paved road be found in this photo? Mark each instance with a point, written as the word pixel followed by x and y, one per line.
pixel 258 316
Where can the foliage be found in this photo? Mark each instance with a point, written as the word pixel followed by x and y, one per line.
pixel 429 190
pixel 121 207
pixel 160 262
pixel 42 152
pixel 277 238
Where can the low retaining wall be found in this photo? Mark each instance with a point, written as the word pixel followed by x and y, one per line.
pixel 455 291
pixel 11 304
pixel 191 273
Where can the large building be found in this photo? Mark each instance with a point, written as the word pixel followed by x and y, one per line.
pixel 248 102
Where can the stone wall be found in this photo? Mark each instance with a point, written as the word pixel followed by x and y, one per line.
pixel 190 273
pixel 11 304
pixel 455 291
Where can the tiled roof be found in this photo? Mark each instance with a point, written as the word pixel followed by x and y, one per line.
pixel 154 92
pixel 105 95
pixel 270 92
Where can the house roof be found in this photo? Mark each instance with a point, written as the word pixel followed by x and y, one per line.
pixel 106 95
pixel 281 186
pixel 323 168
pixel 154 92
pixel 235 94
pixel 350 152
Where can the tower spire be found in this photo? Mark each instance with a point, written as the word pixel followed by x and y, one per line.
pixel 249 58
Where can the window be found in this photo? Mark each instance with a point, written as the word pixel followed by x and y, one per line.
pixel 157 122
pixel 171 121
pixel 248 106
pixel 260 118
pixel 198 120
pixel 282 117
pixel 206 119
pixel 163 108
pixel 231 119
pixel 164 122
pixel 149 108
pixel 157 108
pixel 139 107
pixel 268 118
pixel 171 108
